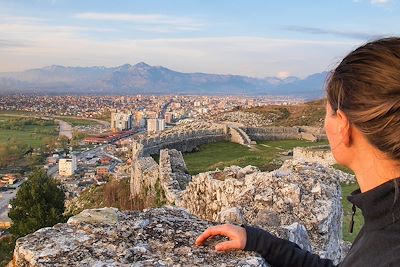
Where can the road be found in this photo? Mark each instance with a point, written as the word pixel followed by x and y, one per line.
pixel 5 198
pixel 65 128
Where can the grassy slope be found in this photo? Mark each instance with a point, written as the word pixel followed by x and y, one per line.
pixel 307 114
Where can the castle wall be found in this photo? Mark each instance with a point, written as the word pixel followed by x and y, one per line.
pixel 185 141
pixel 321 155
pixel 238 136
pixel 173 174
pixel 272 133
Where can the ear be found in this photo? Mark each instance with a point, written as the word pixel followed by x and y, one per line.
pixel 344 128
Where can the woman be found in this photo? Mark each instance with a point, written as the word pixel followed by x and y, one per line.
pixel 362 124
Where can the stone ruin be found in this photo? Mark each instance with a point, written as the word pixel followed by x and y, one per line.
pixel 299 201
pixel 188 137
pixel 107 237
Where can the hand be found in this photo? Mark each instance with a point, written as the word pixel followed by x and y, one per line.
pixel 236 234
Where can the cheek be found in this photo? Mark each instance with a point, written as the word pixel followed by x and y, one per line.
pixel 329 129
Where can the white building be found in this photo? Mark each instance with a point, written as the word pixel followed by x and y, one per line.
pixel 67 166
pixel 155 125
pixel 121 121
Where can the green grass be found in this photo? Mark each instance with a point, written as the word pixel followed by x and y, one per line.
pixel 22 137
pixel 27 136
pixel 223 154
pixel 18 112
pixel 358 218
pixel 77 121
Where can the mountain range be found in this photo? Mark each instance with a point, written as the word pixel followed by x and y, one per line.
pixel 142 78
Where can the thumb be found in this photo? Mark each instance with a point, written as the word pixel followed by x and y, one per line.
pixel 227 245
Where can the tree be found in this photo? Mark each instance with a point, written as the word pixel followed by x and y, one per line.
pixel 39 203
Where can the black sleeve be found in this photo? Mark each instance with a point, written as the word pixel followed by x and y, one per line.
pixel 279 252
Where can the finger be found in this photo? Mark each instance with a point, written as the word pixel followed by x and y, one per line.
pixel 226 246
pixel 210 232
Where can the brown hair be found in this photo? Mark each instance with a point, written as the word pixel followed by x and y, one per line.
pixel 366 87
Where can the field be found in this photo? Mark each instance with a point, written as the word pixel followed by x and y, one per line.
pixel 33 135
pixel 223 154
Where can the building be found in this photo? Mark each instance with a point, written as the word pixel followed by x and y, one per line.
pixel 9 178
pixel 155 125
pixel 168 117
pixel 139 119
pixel 103 170
pixel 152 114
pixel 121 121
pixel 67 166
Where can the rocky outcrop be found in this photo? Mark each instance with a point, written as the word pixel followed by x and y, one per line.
pixel 298 192
pixel 321 155
pixel 318 154
pixel 108 237
pixel 248 118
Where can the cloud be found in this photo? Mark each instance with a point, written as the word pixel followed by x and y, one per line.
pixel 348 34
pixel 244 55
pixel 380 2
pixel 375 2
pixel 150 22
pixel 29 44
pixel 12 43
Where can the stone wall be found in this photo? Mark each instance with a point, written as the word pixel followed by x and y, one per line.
pixel 318 154
pixel 170 175
pixel 145 176
pixel 184 139
pixel 238 136
pixel 272 133
pixel 284 133
pixel 173 174
pixel 298 192
pixel 108 237
pixel 187 137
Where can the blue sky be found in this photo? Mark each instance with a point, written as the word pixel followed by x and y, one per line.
pixel 255 38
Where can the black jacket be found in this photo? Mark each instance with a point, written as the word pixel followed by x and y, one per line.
pixel 377 244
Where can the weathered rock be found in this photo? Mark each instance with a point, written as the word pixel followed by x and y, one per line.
pixel 318 154
pixel 157 237
pixel 298 192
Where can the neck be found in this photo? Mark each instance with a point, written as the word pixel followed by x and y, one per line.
pixel 374 169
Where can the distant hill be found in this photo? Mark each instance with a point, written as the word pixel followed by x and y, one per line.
pixel 145 79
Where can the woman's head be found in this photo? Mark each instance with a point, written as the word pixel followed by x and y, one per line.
pixel 365 87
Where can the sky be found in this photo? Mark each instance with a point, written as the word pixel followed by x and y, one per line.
pixel 257 38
